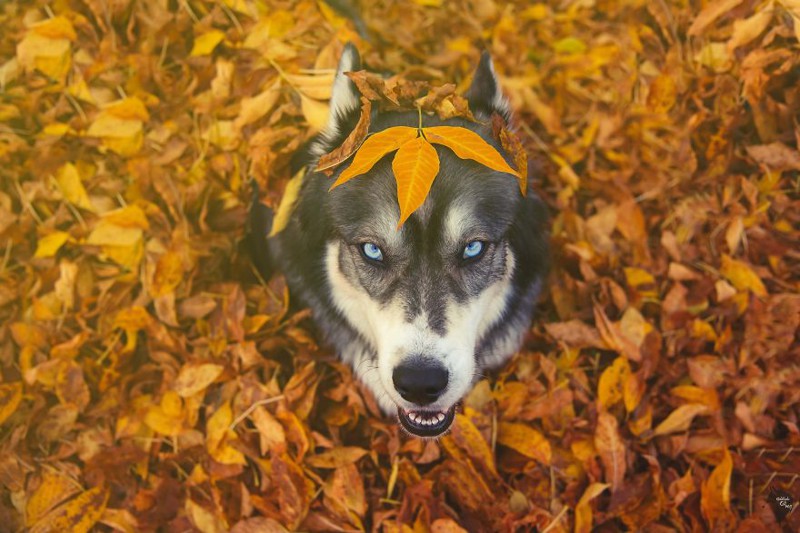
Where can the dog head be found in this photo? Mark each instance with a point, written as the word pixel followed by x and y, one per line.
pixel 452 291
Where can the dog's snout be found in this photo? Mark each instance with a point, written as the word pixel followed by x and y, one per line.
pixel 420 381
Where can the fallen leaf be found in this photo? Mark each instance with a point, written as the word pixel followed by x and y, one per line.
pixel 680 419
pixel 524 440
pixel 742 276
pixel 583 511
pixel 715 494
pixel 610 447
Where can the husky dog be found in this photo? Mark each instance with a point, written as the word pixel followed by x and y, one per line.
pixel 421 311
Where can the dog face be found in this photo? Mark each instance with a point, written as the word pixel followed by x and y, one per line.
pixel 419 312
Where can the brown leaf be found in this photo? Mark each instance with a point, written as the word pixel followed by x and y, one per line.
pixel 611 449
pixel 351 144
pixel 711 12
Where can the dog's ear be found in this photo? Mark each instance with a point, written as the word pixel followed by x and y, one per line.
pixel 345 100
pixel 484 94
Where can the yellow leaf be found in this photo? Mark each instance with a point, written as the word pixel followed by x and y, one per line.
pixel 316 112
pixel 50 244
pixel 69 180
pixel 583 511
pixel 50 56
pixel 415 166
pixel 467 144
pixel 205 43
pixel 255 107
pixel 715 493
pixel 317 86
pixel 525 440
pixel 10 397
pixel 195 377
pixel 680 419
pixel 130 108
pixel 742 276
pixel 662 94
pixel 54 488
pixel 336 457
pixel 374 148
pixel 288 201
pixel 106 233
pixel 694 394
pixel 167 417
pixel 611 386
pixel 130 216
pixel 168 274
pixel 122 136
pixel 217 425
pixel 55 28
pixel 76 516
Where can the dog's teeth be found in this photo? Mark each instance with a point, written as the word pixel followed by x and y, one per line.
pixel 440 416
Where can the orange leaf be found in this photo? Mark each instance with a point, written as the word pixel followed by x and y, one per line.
pixel 415 166
pixel 373 149
pixel 469 145
pixel 715 494
pixel 583 511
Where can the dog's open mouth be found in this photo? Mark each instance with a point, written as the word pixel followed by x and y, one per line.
pixel 423 423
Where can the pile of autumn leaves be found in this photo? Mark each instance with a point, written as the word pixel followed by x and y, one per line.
pixel 145 385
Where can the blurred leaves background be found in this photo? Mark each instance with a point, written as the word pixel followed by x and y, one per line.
pixel 151 380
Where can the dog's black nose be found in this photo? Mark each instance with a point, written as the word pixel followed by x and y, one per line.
pixel 420 381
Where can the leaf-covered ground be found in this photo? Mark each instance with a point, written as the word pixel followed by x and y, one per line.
pixel 150 380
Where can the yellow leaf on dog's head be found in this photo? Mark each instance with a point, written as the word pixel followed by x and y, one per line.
pixel 415 166
pixel 469 145
pixel 374 148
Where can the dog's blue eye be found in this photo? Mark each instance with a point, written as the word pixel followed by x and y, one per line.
pixel 473 250
pixel 371 251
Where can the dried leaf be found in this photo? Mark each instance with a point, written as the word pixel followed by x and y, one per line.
pixel 196 377
pixel 611 449
pixel 715 494
pixel 583 511
pixel 742 276
pixel 680 419
pixel 524 440
pixel 10 398
pixel 78 515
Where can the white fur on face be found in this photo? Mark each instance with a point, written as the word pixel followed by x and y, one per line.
pixel 385 328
